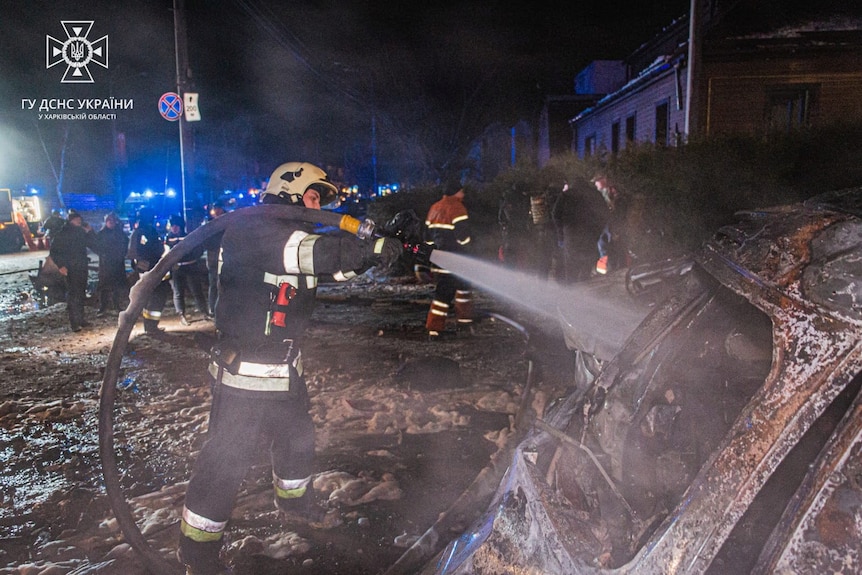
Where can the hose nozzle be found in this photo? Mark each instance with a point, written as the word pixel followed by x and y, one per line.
pixel 362 229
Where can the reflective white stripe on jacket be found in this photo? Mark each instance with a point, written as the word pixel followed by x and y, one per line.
pixel 299 253
pixel 258 376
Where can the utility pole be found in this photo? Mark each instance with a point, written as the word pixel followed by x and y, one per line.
pixel 375 184
pixel 374 153
pixel 183 76
pixel 693 65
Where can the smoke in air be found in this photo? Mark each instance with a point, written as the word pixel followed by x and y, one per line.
pixel 582 309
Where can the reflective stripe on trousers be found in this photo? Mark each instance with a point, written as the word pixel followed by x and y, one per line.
pixel 151 314
pixel 436 320
pixel 289 488
pixel 464 306
pixel 199 528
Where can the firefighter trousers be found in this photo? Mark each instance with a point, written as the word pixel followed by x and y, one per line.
pixel 156 304
pixel 240 429
pixel 450 288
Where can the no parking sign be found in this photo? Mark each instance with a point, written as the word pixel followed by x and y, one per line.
pixel 170 106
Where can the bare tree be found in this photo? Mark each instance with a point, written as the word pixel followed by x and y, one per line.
pixel 58 174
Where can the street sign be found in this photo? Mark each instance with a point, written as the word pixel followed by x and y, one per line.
pixel 190 103
pixel 170 106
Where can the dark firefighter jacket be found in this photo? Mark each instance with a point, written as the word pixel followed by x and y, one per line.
pixel 145 247
pixel 267 288
pixel 112 245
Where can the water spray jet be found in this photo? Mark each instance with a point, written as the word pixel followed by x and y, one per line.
pixel 580 306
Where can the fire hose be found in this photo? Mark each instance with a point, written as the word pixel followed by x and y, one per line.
pixel 138 298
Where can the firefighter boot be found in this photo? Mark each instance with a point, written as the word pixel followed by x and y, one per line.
pixel 466 329
pixel 201 558
pixel 151 327
pixel 301 510
pixel 435 322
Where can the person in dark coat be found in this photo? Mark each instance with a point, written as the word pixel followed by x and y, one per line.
pixel 146 248
pixel 213 252
pixel 111 245
pixel 69 252
pixel 579 215
pixel 542 244
pixel 513 217
pixel 184 275
pixel 53 224
pixel 612 244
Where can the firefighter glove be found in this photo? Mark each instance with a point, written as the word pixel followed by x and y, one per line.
pixel 387 251
pixel 421 253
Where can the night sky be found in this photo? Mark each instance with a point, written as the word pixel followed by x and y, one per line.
pixel 300 80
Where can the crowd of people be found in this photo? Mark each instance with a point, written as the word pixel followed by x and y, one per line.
pixel 122 257
pixel 568 234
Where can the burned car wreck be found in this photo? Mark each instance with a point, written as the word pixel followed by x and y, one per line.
pixel 724 436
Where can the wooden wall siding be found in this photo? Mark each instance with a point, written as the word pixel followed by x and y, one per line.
pixel 738 92
pixel 642 103
pixel 735 97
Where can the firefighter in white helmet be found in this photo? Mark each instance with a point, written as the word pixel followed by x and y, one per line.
pixel 267 286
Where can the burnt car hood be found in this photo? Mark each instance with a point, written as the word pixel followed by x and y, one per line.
pixel 723 437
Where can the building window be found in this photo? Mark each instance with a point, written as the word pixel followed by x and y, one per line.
pixel 630 129
pixel 662 123
pixel 789 107
pixel 589 145
pixel 615 137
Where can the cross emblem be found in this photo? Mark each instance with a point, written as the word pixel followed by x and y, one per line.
pixel 77 52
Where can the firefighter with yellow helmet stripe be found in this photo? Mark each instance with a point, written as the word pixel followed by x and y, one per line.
pixel 267 284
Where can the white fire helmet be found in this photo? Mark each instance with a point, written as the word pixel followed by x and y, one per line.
pixel 290 181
